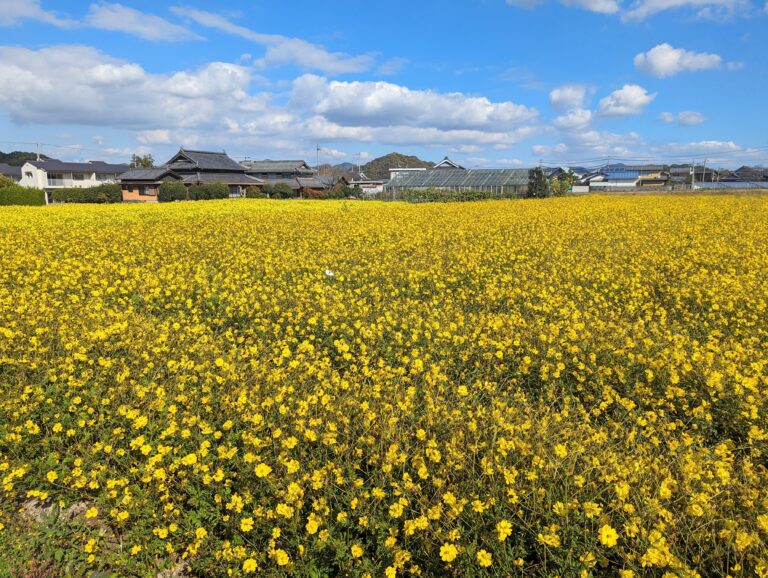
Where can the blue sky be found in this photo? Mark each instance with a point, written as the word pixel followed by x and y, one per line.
pixel 486 82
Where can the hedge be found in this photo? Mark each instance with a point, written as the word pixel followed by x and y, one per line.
pixel 172 191
pixel 18 195
pixel 208 191
pixel 106 193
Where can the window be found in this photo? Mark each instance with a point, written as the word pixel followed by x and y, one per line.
pixel 28 175
pixel 55 179
pixel 78 177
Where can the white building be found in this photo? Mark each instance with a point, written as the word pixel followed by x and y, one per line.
pixel 53 174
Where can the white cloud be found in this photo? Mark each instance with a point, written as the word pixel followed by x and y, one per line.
pixel 81 85
pixel 600 6
pixel 13 12
pixel 492 163
pixel 568 96
pixel 157 136
pixel 282 49
pixel 148 26
pixel 545 150
pixel 713 9
pixel 684 118
pixel 386 104
pixel 665 60
pixel 630 99
pixel 700 148
pixel 578 117
pixel 735 65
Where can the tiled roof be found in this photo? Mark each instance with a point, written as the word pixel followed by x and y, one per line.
pixel 98 167
pixel 226 178
pixel 270 166
pixel 153 174
pixel 10 171
pixel 204 160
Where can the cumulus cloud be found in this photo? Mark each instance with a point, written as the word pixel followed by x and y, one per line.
pixel 148 26
pixel 665 60
pixel 387 104
pixel 576 118
pixel 630 99
pixel 13 12
pixel 684 118
pixel 74 84
pixel 568 96
pixel 282 50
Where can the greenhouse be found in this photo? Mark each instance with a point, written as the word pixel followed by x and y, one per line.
pixel 501 182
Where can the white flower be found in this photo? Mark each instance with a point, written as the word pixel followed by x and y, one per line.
pixel 330 273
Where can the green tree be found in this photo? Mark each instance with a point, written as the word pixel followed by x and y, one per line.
pixel 555 187
pixel 538 186
pixel 566 183
pixel 142 162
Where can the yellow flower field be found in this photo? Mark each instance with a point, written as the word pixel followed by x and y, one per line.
pixel 569 387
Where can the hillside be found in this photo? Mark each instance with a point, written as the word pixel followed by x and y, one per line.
pixel 378 169
pixel 18 158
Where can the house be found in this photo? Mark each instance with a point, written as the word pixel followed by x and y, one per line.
pixel 751 174
pixel 51 174
pixel 322 182
pixel 447 163
pixel 367 186
pixel 143 185
pixel 449 176
pixel 190 167
pixel 269 170
pixel 627 176
pixel 10 171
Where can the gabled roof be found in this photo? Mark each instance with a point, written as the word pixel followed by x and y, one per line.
pixel 203 160
pixel 98 167
pixel 270 166
pixel 320 182
pixel 447 163
pixel 226 178
pixel 153 174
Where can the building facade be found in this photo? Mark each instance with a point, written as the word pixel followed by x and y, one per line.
pixel 51 174
pixel 191 167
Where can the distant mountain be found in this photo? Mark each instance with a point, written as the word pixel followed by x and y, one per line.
pixel 378 169
pixel 18 158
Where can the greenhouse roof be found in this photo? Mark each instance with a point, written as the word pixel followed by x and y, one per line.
pixel 450 178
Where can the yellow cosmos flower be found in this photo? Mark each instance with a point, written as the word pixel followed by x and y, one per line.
pixel 484 558
pixel 448 552
pixel 504 530
pixel 608 536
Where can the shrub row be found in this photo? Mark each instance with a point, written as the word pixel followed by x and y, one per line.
pixel 178 191
pixel 17 195
pixel 106 193
pixel 446 196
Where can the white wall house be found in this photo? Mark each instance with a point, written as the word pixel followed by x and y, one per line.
pixel 54 174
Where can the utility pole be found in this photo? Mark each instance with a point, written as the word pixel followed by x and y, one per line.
pixel 317 158
pixel 38 150
pixel 704 172
pixel 693 175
